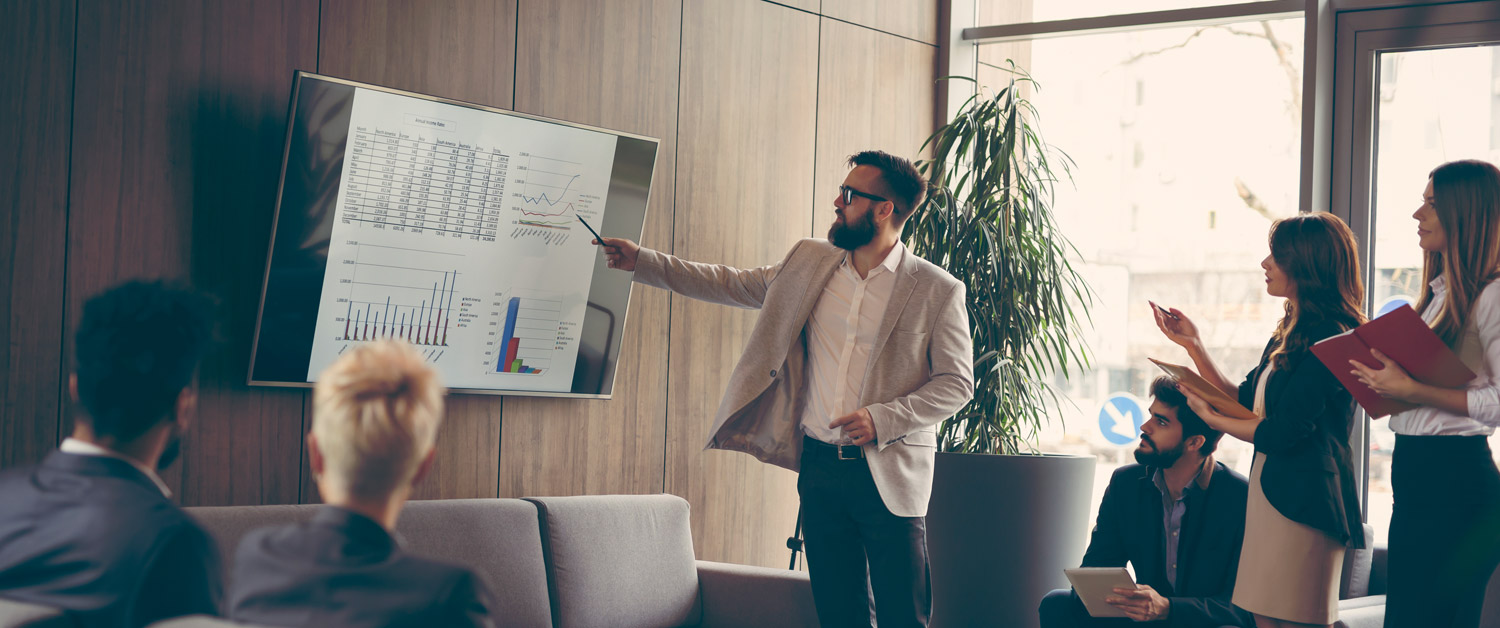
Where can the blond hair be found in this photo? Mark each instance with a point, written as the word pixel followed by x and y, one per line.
pixel 376 412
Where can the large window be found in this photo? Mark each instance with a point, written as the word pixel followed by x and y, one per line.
pixel 1434 106
pixel 1187 144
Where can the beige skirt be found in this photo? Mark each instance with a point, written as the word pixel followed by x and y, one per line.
pixel 1288 571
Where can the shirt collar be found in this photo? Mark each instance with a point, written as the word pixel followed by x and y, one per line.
pixel 1439 284
pixel 1199 481
pixel 891 262
pixel 81 448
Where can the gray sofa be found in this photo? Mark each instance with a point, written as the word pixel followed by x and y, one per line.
pixel 564 562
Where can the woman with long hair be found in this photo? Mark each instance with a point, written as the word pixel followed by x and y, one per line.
pixel 1445 527
pixel 1303 508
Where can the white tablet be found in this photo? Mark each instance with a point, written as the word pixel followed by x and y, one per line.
pixel 1093 584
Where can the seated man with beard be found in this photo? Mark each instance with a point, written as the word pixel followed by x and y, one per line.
pixel 91 529
pixel 1177 493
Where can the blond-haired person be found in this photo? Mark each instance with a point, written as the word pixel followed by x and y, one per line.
pixel 375 420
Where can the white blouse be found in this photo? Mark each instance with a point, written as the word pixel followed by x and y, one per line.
pixel 1480 350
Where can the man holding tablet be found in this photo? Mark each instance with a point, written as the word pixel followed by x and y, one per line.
pixel 1178 518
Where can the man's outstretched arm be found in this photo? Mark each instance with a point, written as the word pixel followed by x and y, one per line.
pixel 714 283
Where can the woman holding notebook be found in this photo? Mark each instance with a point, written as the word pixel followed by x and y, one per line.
pixel 1445 528
pixel 1303 508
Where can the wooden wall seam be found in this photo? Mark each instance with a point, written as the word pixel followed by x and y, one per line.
pixel 38 40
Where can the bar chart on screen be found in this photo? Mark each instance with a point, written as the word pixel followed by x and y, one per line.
pixel 395 292
pixel 527 334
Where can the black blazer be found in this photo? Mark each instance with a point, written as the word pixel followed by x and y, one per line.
pixel 343 569
pixel 96 537
pixel 1131 529
pixel 1308 475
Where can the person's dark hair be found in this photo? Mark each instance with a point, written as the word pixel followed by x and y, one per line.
pixel 1467 201
pixel 904 185
pixel 1317 251
pixel 1165 390
pixel 138 346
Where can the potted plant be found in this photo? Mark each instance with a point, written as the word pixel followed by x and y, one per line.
pixel 1004 521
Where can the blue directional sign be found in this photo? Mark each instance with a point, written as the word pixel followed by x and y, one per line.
pixel 1393 303
pixel 1120 418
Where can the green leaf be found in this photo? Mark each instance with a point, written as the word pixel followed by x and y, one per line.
pixel 989 221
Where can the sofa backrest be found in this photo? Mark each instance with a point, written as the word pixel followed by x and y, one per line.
pixel 201 621
pixel 1355 581
pixel 499 539
pixel 620 560
pixel 23 615
pixel 1491 614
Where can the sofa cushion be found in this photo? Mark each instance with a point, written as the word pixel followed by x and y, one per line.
pixel 229 524
pixel 1355 582
pixel 22 615
pixel 498 538
pixel 620 560
pixel 1365 612
pixel 201 621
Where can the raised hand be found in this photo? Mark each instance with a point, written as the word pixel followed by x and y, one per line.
pixel 620 253
pixel 1176 326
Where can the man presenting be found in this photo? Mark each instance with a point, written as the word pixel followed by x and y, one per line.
pixel 860 350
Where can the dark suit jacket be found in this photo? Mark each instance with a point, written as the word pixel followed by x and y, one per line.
pixel 343 569
pixel 1130 529
pixel 96 537
pixel 1308 475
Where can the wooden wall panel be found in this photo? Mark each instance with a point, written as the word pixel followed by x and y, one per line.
pixel 883 99
pixel 461 49
pixel 913 19
pixel 994 59
pixel 610 63
pixel 812 6
pixel 36 44
pixel 175 150
pixel 744 189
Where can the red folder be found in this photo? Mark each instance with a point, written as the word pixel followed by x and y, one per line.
pixel 1404 338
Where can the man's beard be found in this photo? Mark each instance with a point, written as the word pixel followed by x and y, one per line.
pixel 1157 457
pixel 172 450
pixel 851 236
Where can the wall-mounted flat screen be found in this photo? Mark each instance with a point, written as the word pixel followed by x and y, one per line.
pixel 457 227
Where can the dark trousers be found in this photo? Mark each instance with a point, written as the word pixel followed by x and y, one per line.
pixel 1445 531
pixel 1062 609
pixel 855 545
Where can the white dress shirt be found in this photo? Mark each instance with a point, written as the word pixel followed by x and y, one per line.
pixel 840 334
pixel 77 447
pixel 1479 348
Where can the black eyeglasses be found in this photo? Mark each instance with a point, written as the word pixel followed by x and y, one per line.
pixel 849 193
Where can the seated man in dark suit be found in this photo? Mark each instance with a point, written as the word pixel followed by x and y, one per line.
pixel 1179 495
pixel 376 412
pixel 91 529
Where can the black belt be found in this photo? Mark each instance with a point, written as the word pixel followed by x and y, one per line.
pixel 840 452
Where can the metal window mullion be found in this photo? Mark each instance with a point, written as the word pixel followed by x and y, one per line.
pixel 1199 16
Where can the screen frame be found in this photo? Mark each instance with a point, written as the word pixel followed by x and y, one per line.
pixel 297 77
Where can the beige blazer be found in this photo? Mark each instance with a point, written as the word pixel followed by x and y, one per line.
pixel 921 369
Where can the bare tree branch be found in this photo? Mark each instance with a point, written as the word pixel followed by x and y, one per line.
pixel 1252 201
pixel 1152 53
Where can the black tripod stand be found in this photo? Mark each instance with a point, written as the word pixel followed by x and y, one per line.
pixel 794 542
